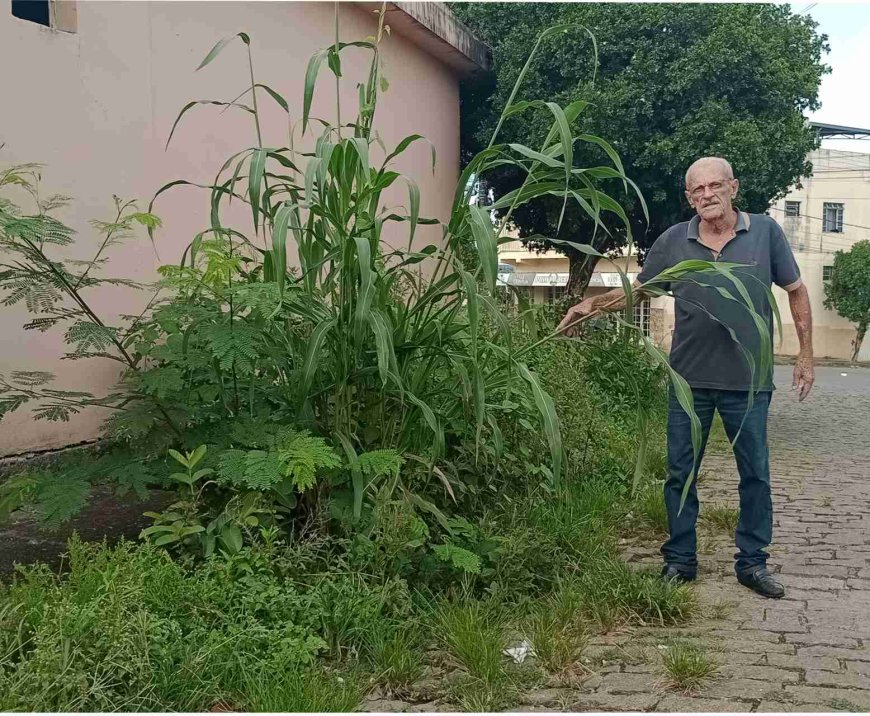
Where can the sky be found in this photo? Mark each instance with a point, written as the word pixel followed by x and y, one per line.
pixel 844 92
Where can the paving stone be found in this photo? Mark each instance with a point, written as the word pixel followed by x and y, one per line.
pixel 826 678
pixel 742 689
pixel 827 637
pixel 799 661
pixel 430 706
pixel 764 673
pixel 688 704
pixel 627 683
pixel 546 697
pixel 768 706
pixel 615 702
pixel 752 646
pixel 861 654
pixel 825 584
pixel 824 696
pixel 814 570
pixel 386 706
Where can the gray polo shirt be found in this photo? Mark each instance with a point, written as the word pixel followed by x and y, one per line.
pixel 702 350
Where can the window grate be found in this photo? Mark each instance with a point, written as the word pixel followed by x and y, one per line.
pixel 832 218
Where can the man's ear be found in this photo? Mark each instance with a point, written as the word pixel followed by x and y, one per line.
pixel 736 188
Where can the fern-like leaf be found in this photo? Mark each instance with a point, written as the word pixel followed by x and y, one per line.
pixel 236 346
pixel 55 412
pixel 59 497
pixel 262 470
pixel 231 467
pixel 379 463
pixel 303 455
pixel 459 557
pixel 32 378
pixel 162 381
pixel 90 336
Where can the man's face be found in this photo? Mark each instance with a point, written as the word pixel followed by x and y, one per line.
pixel 710 191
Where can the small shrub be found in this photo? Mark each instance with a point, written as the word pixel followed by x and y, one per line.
pixel 687 666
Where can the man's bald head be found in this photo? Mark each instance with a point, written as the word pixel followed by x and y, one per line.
pixel 705 164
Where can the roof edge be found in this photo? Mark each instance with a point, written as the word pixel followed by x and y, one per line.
pixel 433 27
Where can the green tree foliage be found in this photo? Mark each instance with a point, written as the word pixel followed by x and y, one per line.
pixel 674 82
pixel 848 291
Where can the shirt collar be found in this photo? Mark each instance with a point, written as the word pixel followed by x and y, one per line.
pixel 743 223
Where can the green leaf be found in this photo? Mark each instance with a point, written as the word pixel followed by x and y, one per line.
pixel 255 179
pixel 312 357
pixel 178 457
pixel 414 203
pixel 215 51
pixel 384 345
pixel 310 81
pixel 279 243
pixel 191 105
pixel 231 537
pixel 356 473
pixel 549 418
pixel 366 283
pixel 487 247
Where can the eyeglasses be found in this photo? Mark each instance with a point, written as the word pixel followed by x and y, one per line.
pixel 714 186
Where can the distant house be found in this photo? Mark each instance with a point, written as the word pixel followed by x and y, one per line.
pixel 91 89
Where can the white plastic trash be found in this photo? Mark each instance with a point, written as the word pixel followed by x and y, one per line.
pixel 520 652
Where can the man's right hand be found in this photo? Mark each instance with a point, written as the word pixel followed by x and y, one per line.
pixel 575 313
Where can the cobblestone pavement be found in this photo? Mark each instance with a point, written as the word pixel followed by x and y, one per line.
pixel 810 651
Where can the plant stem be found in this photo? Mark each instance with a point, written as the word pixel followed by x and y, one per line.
pixel 74 294
pixel 337 79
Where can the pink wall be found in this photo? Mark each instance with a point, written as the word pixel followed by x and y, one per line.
pixel 96 108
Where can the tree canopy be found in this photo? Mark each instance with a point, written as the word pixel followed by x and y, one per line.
pixel 674 82
pixel 848 291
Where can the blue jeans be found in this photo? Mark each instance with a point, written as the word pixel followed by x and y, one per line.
pixel 755 527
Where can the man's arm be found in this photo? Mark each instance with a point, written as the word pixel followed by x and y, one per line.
pixel 799 303
pixel 603 303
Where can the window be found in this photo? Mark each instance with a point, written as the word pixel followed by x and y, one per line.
pixel 555 293
pixel 641 316
pixel 33 10
pixel 57 14
pixel 792 208
pixel 832 218
pixel 827 273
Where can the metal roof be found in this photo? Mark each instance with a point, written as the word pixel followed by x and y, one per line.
pixel 838 131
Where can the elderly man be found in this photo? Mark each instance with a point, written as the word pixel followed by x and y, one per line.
pixel 704 353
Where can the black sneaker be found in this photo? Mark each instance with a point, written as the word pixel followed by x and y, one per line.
pixel 672 571
pixel 762 582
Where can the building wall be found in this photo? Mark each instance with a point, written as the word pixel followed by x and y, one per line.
pixel 96 106
pixel 838 177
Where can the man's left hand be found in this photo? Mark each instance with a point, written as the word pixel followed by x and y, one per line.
pixel 804 376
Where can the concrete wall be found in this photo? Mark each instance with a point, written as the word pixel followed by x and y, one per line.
pixel 838 177
pixel 96 107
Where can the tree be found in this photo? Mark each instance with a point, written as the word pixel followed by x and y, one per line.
pixel 674 82
pixel 848 291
